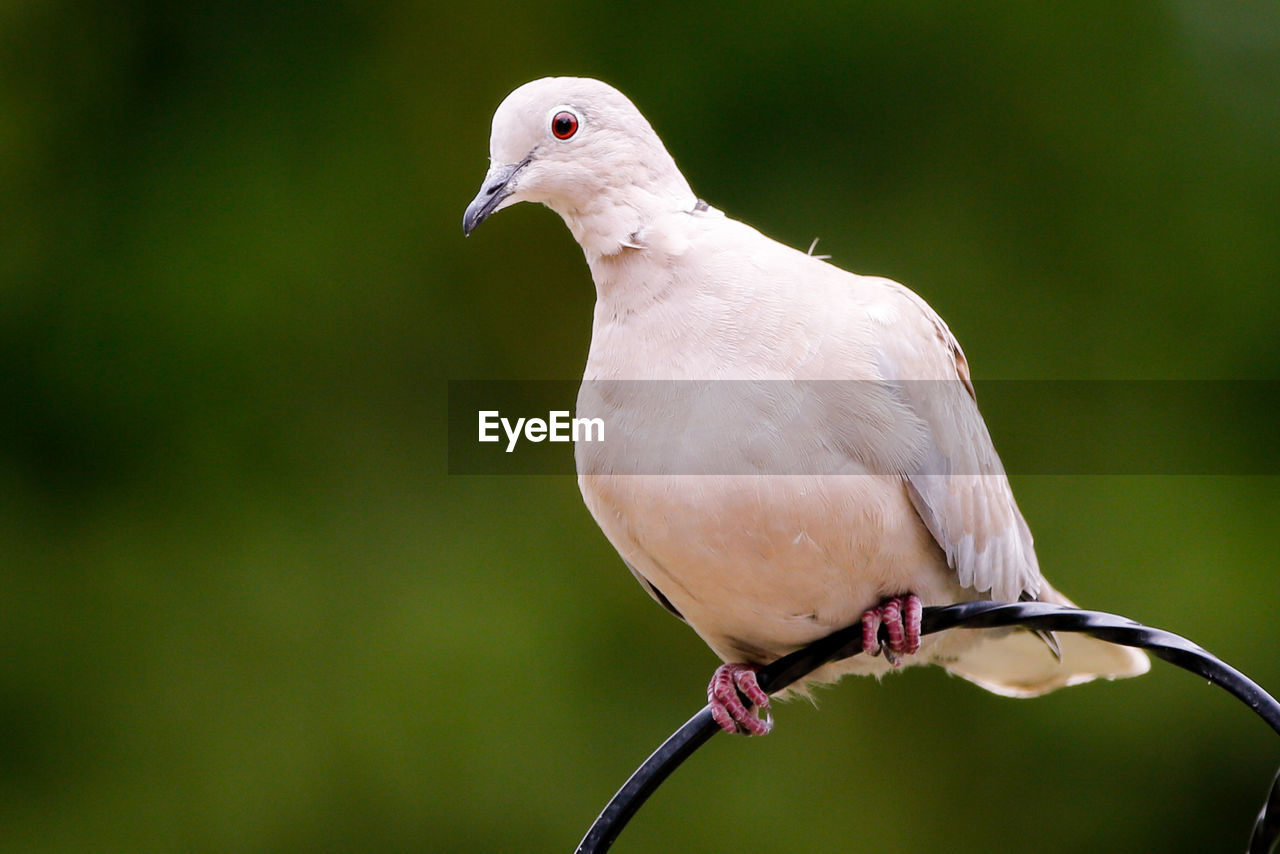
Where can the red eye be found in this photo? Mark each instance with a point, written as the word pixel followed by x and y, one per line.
pixel 564 124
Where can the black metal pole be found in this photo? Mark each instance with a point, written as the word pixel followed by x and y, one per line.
pixel 847 642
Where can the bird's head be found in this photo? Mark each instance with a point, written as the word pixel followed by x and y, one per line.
pixel 581 148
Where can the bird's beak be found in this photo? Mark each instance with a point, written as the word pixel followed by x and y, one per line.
pixel 493 192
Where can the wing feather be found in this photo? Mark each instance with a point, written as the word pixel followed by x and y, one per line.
pixel 959 486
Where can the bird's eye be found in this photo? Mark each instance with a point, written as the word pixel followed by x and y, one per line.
pixel 564 124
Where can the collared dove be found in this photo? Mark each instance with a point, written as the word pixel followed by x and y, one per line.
pixel 907 503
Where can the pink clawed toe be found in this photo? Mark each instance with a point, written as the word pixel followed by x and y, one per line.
pixel 726 705
pixel 899 617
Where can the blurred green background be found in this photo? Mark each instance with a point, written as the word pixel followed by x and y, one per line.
pixel 242 606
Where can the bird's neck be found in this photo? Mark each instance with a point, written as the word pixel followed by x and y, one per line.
pixel 652 304
pixel 615 221
pixel 633 266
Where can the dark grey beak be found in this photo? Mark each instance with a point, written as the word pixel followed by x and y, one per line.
pixel 493 192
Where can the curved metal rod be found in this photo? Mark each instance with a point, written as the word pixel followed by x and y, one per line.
pixel 847 642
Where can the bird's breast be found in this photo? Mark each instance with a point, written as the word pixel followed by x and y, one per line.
pixel 761 564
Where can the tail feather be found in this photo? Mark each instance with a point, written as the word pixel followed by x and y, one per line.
pixel 1020 664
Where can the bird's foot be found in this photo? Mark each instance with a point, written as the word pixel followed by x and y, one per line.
pixel 898 619
pixel 727 707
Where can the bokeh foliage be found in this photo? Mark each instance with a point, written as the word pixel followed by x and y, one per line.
pixel 242 607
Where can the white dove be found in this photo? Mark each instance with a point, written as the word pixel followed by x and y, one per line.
pixel 898 498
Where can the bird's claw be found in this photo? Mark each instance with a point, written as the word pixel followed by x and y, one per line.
pixel 893 628
pixel 729 684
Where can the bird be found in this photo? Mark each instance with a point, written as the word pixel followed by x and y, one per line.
pixel 793 447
